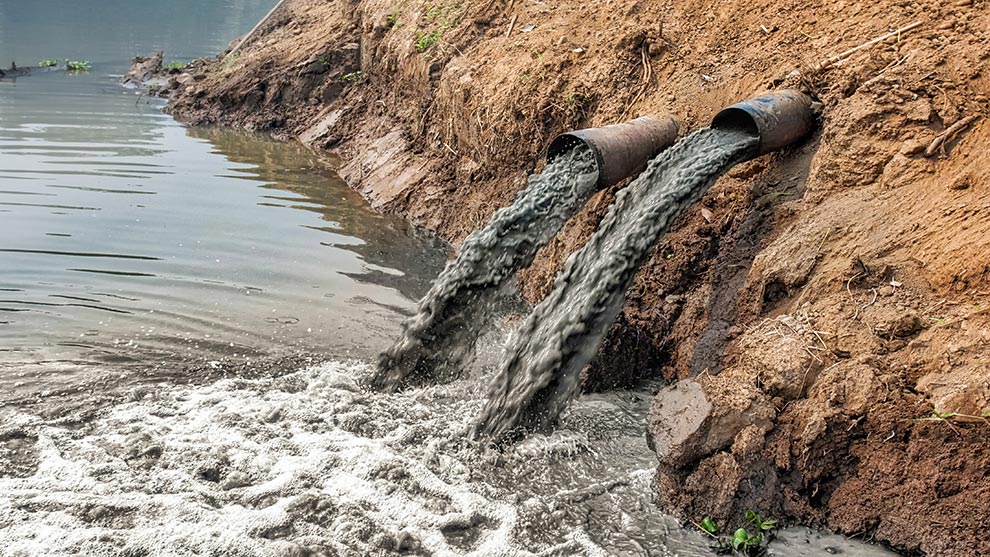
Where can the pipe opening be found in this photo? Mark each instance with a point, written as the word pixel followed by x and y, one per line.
pixel 568 141
pixel 621 150
pixel 561 145
pixel 738 119
pixel 778 119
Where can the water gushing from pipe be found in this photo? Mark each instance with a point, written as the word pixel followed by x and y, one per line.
pixel 540 372
pixel 441 336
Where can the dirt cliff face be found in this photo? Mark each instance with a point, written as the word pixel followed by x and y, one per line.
pixel 826 306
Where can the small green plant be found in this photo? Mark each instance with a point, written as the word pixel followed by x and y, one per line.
pixel 391 19
pixel 354 77
pixel 574 98
pixel 48 63
pixel 175 65
pixel 748 541
pixel 424 41
pixel 230 60
pixel 754 543
pixel 78 65
pixel 951 418
pixel 441 17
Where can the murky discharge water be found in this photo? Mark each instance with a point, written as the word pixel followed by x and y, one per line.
pixel 310 463
pixel 440 337
pixel 540 373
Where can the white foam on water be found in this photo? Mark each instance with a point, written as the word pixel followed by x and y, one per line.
pixel 304 464
pixel 313 464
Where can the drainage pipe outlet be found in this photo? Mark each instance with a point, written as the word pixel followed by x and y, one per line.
pixel 621 150
pixel 779 119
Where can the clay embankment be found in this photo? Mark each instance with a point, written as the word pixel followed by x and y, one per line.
pixel 822 298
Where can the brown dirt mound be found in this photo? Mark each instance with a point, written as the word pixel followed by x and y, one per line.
pixel 825 298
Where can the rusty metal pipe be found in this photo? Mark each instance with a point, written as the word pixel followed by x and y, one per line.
pixel 779 119
pixel 621 150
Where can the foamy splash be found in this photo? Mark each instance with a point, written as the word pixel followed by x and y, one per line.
pixel 304 464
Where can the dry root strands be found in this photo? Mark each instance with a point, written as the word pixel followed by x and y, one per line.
pixel 948 134
pixel 843 55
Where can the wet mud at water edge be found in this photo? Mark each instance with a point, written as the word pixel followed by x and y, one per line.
pixel 440 338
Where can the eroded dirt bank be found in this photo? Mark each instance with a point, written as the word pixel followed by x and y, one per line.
pixel 812 307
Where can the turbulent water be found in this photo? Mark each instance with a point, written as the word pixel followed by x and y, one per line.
pixel 539 374
pixel 312 464
pixel 456 311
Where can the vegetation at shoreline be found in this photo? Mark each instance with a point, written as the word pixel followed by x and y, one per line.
pixel 750 540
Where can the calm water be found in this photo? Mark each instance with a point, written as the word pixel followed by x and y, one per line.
pixel 126 236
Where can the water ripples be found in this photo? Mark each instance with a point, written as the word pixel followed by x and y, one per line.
pixel 125 234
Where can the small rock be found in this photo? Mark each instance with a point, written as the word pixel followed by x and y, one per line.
pixel 684 425
pixel 920 111
pixel 963 182
pixel 912 147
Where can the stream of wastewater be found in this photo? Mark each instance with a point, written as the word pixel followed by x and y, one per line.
pixel 188 317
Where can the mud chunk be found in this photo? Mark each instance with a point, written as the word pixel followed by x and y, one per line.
pixel 143 68
pixel 961 392
pixel 748 442
pixel 676 415
pixel 850 387
pixel 779 356
pixel 685 425
pixel 920 111
pixel 963 182
pixel 896 324
pixel 913 147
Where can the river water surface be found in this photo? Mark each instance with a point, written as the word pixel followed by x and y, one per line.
pixel 138 255
pixel 125 236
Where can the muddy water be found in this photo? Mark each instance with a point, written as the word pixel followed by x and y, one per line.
pixel 310 463
pixel 128 238
pixel 438 340
pixel 539 374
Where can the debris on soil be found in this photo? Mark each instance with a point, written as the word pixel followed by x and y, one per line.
pixel 823 301
pixel 153 77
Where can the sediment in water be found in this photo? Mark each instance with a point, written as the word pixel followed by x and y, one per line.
pixel 441 336
pixel 539 374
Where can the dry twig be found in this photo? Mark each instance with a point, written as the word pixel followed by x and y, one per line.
pixel 828 63
pixel 947 135
pixel 512 25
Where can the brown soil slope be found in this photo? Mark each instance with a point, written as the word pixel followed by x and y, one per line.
pixel 814 305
